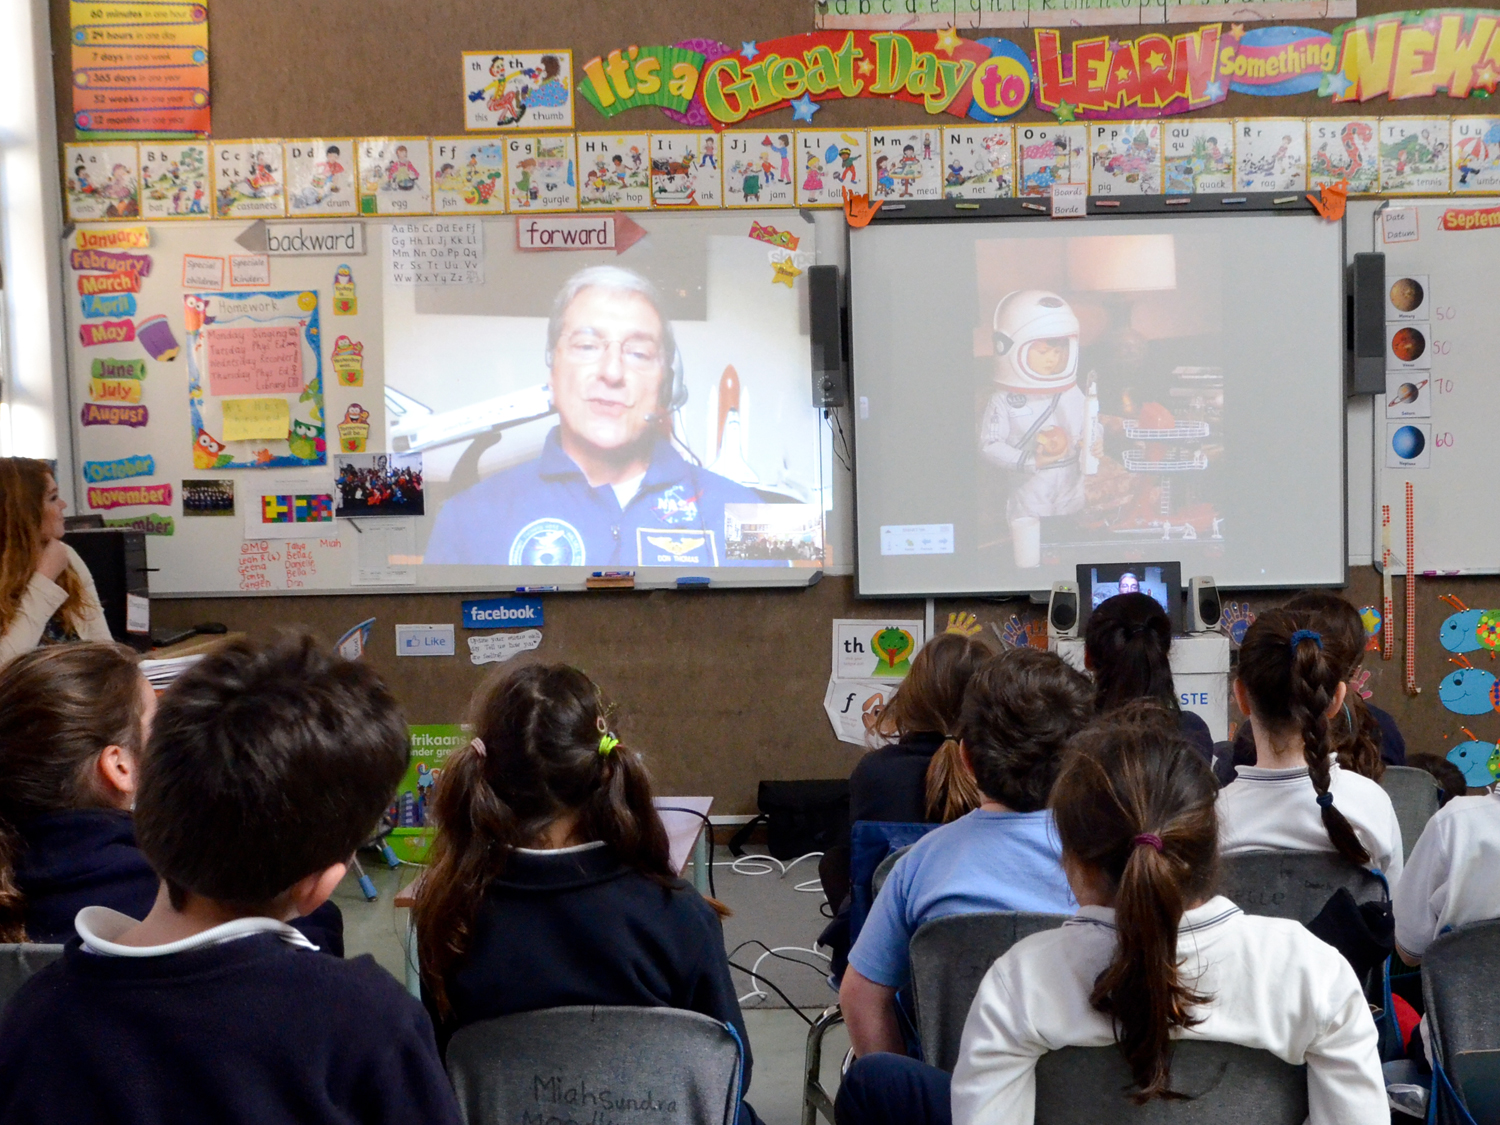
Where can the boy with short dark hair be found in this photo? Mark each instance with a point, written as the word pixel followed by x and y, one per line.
pixel 268 766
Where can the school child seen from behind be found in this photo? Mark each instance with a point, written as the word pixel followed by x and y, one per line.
pixel 267 766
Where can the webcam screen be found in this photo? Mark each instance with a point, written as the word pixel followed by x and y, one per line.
pixel 1142 580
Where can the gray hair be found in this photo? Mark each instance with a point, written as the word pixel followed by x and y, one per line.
pixel 621 281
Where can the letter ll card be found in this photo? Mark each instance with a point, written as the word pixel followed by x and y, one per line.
pixel 1125 158
pixel 320 177
pixel 1413 155
pixel 468 176
pixel 616 171
pixel 1271 155
pixel 830 162
pixel 1344 148
pixel 685 169
pixel 248 180
pixel 518 90
pixel 395 176
pixel 1476 154
pixel 540 173
pixel 174 180
pixel 1051 154
pixel 906 163
pixel 102 182
pixel 757 168
pixel 1199 156
pixel 978 162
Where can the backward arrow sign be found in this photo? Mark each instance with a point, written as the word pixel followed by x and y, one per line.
pixel 253 237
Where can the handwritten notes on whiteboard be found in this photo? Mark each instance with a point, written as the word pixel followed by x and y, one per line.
pixel 436 252
pixel 254 361
pixel 248 419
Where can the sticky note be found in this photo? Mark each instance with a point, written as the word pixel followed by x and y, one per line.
pixel 255 418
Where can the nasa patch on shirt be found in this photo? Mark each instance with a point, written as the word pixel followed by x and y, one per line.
pixel 675 547
pixel 547 542
pixel 676 506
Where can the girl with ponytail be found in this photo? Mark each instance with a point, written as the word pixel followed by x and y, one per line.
pixel 1297 796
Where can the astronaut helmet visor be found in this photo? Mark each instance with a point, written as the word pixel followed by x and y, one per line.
pixel 1048 357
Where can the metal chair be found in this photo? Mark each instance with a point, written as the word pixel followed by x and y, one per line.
pixel 1226 1084
pixel 19 961
pixel 1291 884
pixel 1459 971
pixel 1415 794
pixel 883 872
pixel 585 1063
pixel 815 1098
pixel 949 957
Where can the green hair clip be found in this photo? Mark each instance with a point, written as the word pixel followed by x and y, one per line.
pixel 607 742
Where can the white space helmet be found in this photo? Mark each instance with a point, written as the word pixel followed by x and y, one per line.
pixel 1022 317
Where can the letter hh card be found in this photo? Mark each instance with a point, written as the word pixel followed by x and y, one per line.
pixel 1344 148
pixel 1476 154
pixel 1051 154
pixel 615 171
pixel 1198 156
pixel 1125 158
pixel 518 89
pixel 978 162
pixel 248 180
pixel 685 169
pixel 1413 155
pixel 468 175
pixel 757 168
pixel 1270 155
pixel 174 180
pixel 102 182
pixel 320 177
pixel 830 162
pixel 540 173
pixel 395 176
pixel 906 163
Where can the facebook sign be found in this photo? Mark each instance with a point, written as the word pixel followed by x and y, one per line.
pixel 503 613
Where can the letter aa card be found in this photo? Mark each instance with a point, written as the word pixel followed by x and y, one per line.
pixel 320 177
pixel 395 176
pixel 1344 149
pixel 615 170
pixel 541 174
pixel 1051 154
pixel 1413 155
pixel 1476 154
pixel 830 162
pixel 468 176
pixel 103 182
pixel 174 180
pixel 758 168
pixel 1271 155
pixel 1125 158
pixel 685 170
pixel 248 180
pixel 1198 156
pixel 978 162
pixel 906 163
pixel 518 90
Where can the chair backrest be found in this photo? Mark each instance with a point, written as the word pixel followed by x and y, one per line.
pixel 1415 795
pixel 949 957
pixel 1296 885
pixel 1459 971
pixel 883 872
pixel 18 962
pixel 595 1063
pixel 870 842
pixel 1226 1083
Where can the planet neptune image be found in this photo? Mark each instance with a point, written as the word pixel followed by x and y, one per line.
pixel 1408 442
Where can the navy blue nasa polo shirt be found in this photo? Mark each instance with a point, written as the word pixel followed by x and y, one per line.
pixel 545 513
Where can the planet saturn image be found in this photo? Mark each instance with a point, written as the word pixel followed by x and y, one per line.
pixel 1408 344
pixel 1406 294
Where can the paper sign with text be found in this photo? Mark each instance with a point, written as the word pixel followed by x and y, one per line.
pixel 248 419
pixel 502 613
pixel 254 361
pixel 200 272
pixel 873 648
pixel 500 647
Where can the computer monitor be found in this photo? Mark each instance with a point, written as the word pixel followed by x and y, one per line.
pixel 1098 582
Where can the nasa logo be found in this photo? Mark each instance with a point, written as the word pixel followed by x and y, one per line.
pixel 547 542
pixel 675 506
pixel 1002 83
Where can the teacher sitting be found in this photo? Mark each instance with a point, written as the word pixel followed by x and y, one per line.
pixel 47 595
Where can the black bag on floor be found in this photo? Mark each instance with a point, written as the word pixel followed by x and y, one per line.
pixel 800 817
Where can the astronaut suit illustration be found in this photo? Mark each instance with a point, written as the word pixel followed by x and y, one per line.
pixel 1036 421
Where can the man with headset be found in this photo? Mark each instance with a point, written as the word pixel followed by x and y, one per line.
pixel 609 487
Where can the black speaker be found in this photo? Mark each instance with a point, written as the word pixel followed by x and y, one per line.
pixel 1062 610
pixel 1364 366
pixel 825 322
pixel 116 558
pixel 1204 609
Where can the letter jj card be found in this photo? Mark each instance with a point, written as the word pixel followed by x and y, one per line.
pixel 1270 155
pixel 518 89
pixel 247 180
pixel 395 176
pixel 541 174
pixel 1413 155
pixel 830 162
pixel 103 182
pixel 978 162
pixel 685 170
pixel 1476 154
pixel 1125 158
pixel 1051 154
pixel 758 168
pixel 1198 156
pixel 174 180
pixel 468 175
pixel 320 177
pixel 906 163
pixel 616 171
pixel 1344 149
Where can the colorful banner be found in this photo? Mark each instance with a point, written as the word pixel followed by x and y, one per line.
pixel 1150 76
pixel 636 76
pixel 141 465
pixel 128 496
pixel 140 68
pixel 1470 218
pixel 1275 61
pixel 1416 55
pixel 110 414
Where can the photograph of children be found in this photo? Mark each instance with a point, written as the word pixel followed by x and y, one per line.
pixel 174 181
pixel 518 89
pixel 1199 156
pixel 1344 150
pixel 906 163
pixel 208 498
pixel 379 484
pixel 777 532
pixel 1476 154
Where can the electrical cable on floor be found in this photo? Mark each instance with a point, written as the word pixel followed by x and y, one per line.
pixel 774 989
pixel 779 952
pixel 768 864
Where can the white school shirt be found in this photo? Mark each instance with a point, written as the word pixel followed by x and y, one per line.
pixel 100 927
pixel 1274 987
pixel 1271 810
pixel 1453 874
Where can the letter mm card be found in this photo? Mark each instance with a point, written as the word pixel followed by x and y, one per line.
pixel 1344 148
pixel 979 162
pixel 102 182
pixel 174 180
pixel 906 163
pixel 518 90
pixel 758 168
pixel 248 181
pixel 685 169
pixel 320 177
pixel 1413 155
pixel 829 163
pixel 1125 158
pixel 614 171
pixel 1270 154
pixel 395 176
pixel 1476 154
pixel 468 175
pixel 1050 154
pixel 541 173
pixel 1198 156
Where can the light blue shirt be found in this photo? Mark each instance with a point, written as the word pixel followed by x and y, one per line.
pixel 981 862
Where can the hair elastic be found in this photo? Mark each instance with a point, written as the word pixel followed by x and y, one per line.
pixel 1307 635
pixel 1325 800
pixel 478 746
pixel 607 742
pixel 1148 838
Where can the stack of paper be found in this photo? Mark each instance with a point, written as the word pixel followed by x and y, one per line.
pixel 160 673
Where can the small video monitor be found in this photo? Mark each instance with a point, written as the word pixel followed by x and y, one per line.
pixel 1097 582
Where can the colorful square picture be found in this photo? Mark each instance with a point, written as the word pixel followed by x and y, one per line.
pixel 518 90
pixel 468 176
pixel 1476 154
pixel 1198 156
pixel 102 182
pixel 320 177
pixel 685 169
pixel 248 180
pixel 1050 154
pixel 1413 155
pixel 758 168
pixel 906 163
pixel 1125 158
pixel 1344 149
pixel 379 484
pixel 1270 154
pixel 978 162
pixel 174 180
pixel 829 163
pixel 540 173
pixel 395 176
pixel 614 171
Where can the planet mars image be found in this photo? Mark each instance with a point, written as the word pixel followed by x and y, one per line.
pixel 1408 345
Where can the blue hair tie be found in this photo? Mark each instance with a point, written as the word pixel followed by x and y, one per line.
pixel 1307 635
pixel 1325 800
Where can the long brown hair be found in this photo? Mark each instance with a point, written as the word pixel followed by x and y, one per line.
pixel 541 728
pixel 1354 734
pixel 59 707
pixel 1291 687
pixel 1132 782
pixel 23 493
pixel 1126 645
